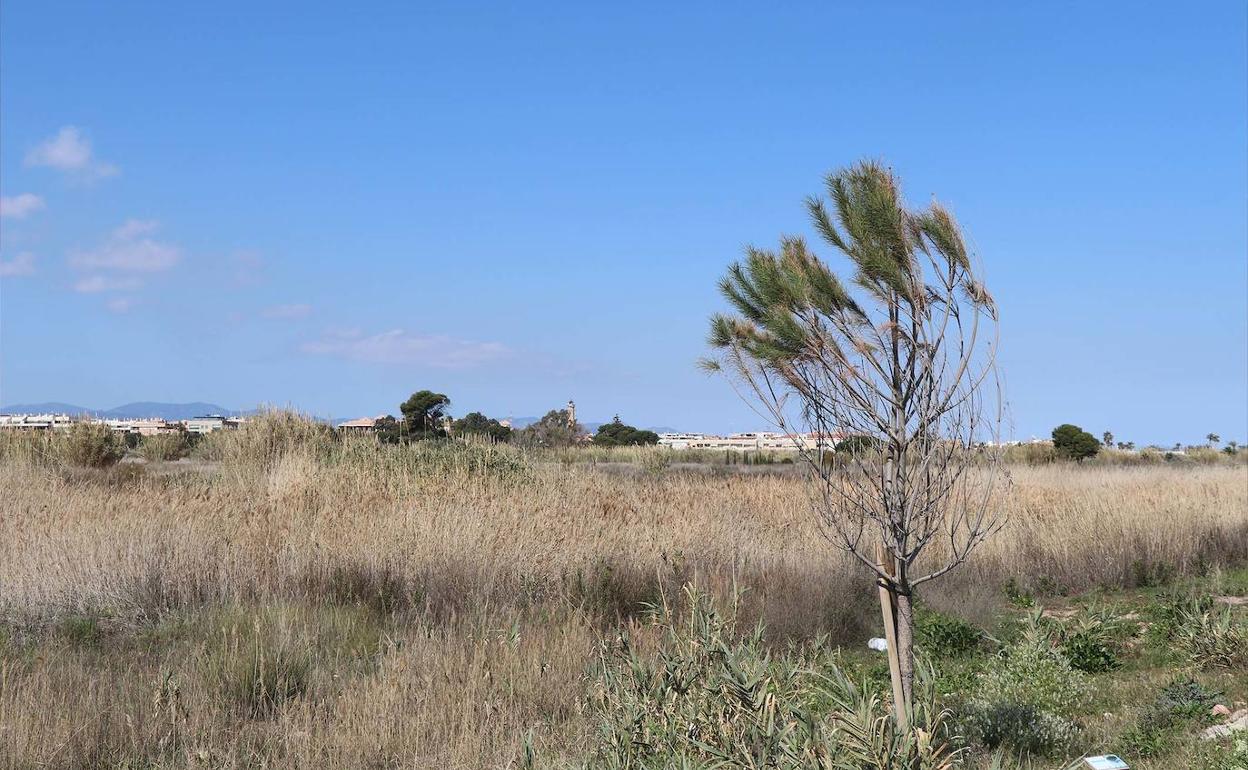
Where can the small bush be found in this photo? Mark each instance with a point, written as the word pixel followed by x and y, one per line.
pixel 164 447
pixel 1206 633
pixel 945 636
pixel 1022 727
pixel 1179 705
pixel 1212 638
pixel 1025 696
pixel 89 444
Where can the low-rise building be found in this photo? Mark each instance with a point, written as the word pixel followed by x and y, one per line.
pixel 148 426
pixel 208 423
pixel 756 441
pixel 359 425
pixel 36 421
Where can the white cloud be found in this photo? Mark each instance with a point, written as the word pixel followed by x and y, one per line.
pixel 69 151
pixel 127 250
pixel 287 311
pixel 22 264
pixel 20 206
pixel 400 347
pixel 94 284
pixel 119 304
pixel 133 228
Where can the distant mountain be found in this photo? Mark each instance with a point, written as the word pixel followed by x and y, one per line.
pixel 136 409
pixel 48 407
pixel 168 411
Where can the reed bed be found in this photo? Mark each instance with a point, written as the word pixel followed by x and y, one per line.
pixel 294 600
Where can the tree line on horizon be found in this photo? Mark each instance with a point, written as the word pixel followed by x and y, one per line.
pixel 425 415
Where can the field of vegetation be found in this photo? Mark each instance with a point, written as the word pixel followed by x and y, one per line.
pixel 285 598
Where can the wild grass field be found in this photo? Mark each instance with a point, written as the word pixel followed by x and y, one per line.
pixel 288 599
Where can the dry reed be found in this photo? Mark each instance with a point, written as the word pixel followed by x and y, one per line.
pixel 479 578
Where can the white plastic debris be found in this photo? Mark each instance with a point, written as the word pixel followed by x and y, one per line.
pixel 1106 762
pixel 878 644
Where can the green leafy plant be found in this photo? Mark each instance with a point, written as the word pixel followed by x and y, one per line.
pixel 1026 695
pixel 1207 634
pixel 712 697
pixel 945 636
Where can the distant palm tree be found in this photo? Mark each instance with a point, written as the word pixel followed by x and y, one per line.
pixel 1213 438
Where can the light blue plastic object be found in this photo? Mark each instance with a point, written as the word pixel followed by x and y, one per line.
pixel 1106 762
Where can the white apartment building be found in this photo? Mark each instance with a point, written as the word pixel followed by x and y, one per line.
pixel 35 421
pixel 745 442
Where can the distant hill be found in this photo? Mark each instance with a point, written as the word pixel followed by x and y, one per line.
pixel 168 411
pixel 48 407
pixel 136 409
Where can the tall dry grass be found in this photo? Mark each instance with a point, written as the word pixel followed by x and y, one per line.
pixel 306 601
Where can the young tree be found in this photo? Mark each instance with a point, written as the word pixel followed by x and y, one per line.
pixel 1107 438
pixel 1213 439
pixel 1074 443
pixel 905 356
pixel 424 414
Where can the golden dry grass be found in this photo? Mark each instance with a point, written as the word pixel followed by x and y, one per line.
pixel 431 608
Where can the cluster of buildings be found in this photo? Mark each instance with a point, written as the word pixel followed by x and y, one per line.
pixel 744 442
pixel 145 426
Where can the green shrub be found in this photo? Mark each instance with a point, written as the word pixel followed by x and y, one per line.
pixel 1088 651
pixel 1026 695
pixel 945 636
pixel 89 444
pixel 1022 727
pixel 1094 641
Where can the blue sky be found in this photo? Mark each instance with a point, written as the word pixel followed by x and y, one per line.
pixel 248 203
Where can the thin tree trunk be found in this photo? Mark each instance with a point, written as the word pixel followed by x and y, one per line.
pixel 905 647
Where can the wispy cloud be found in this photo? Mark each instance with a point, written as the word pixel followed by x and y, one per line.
pixel 401 347
pixel 287 311
pixel 70 152
pixel 119 304
pixel 20 206
pixel 128 249
pixel 95 284
pixel 22 264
